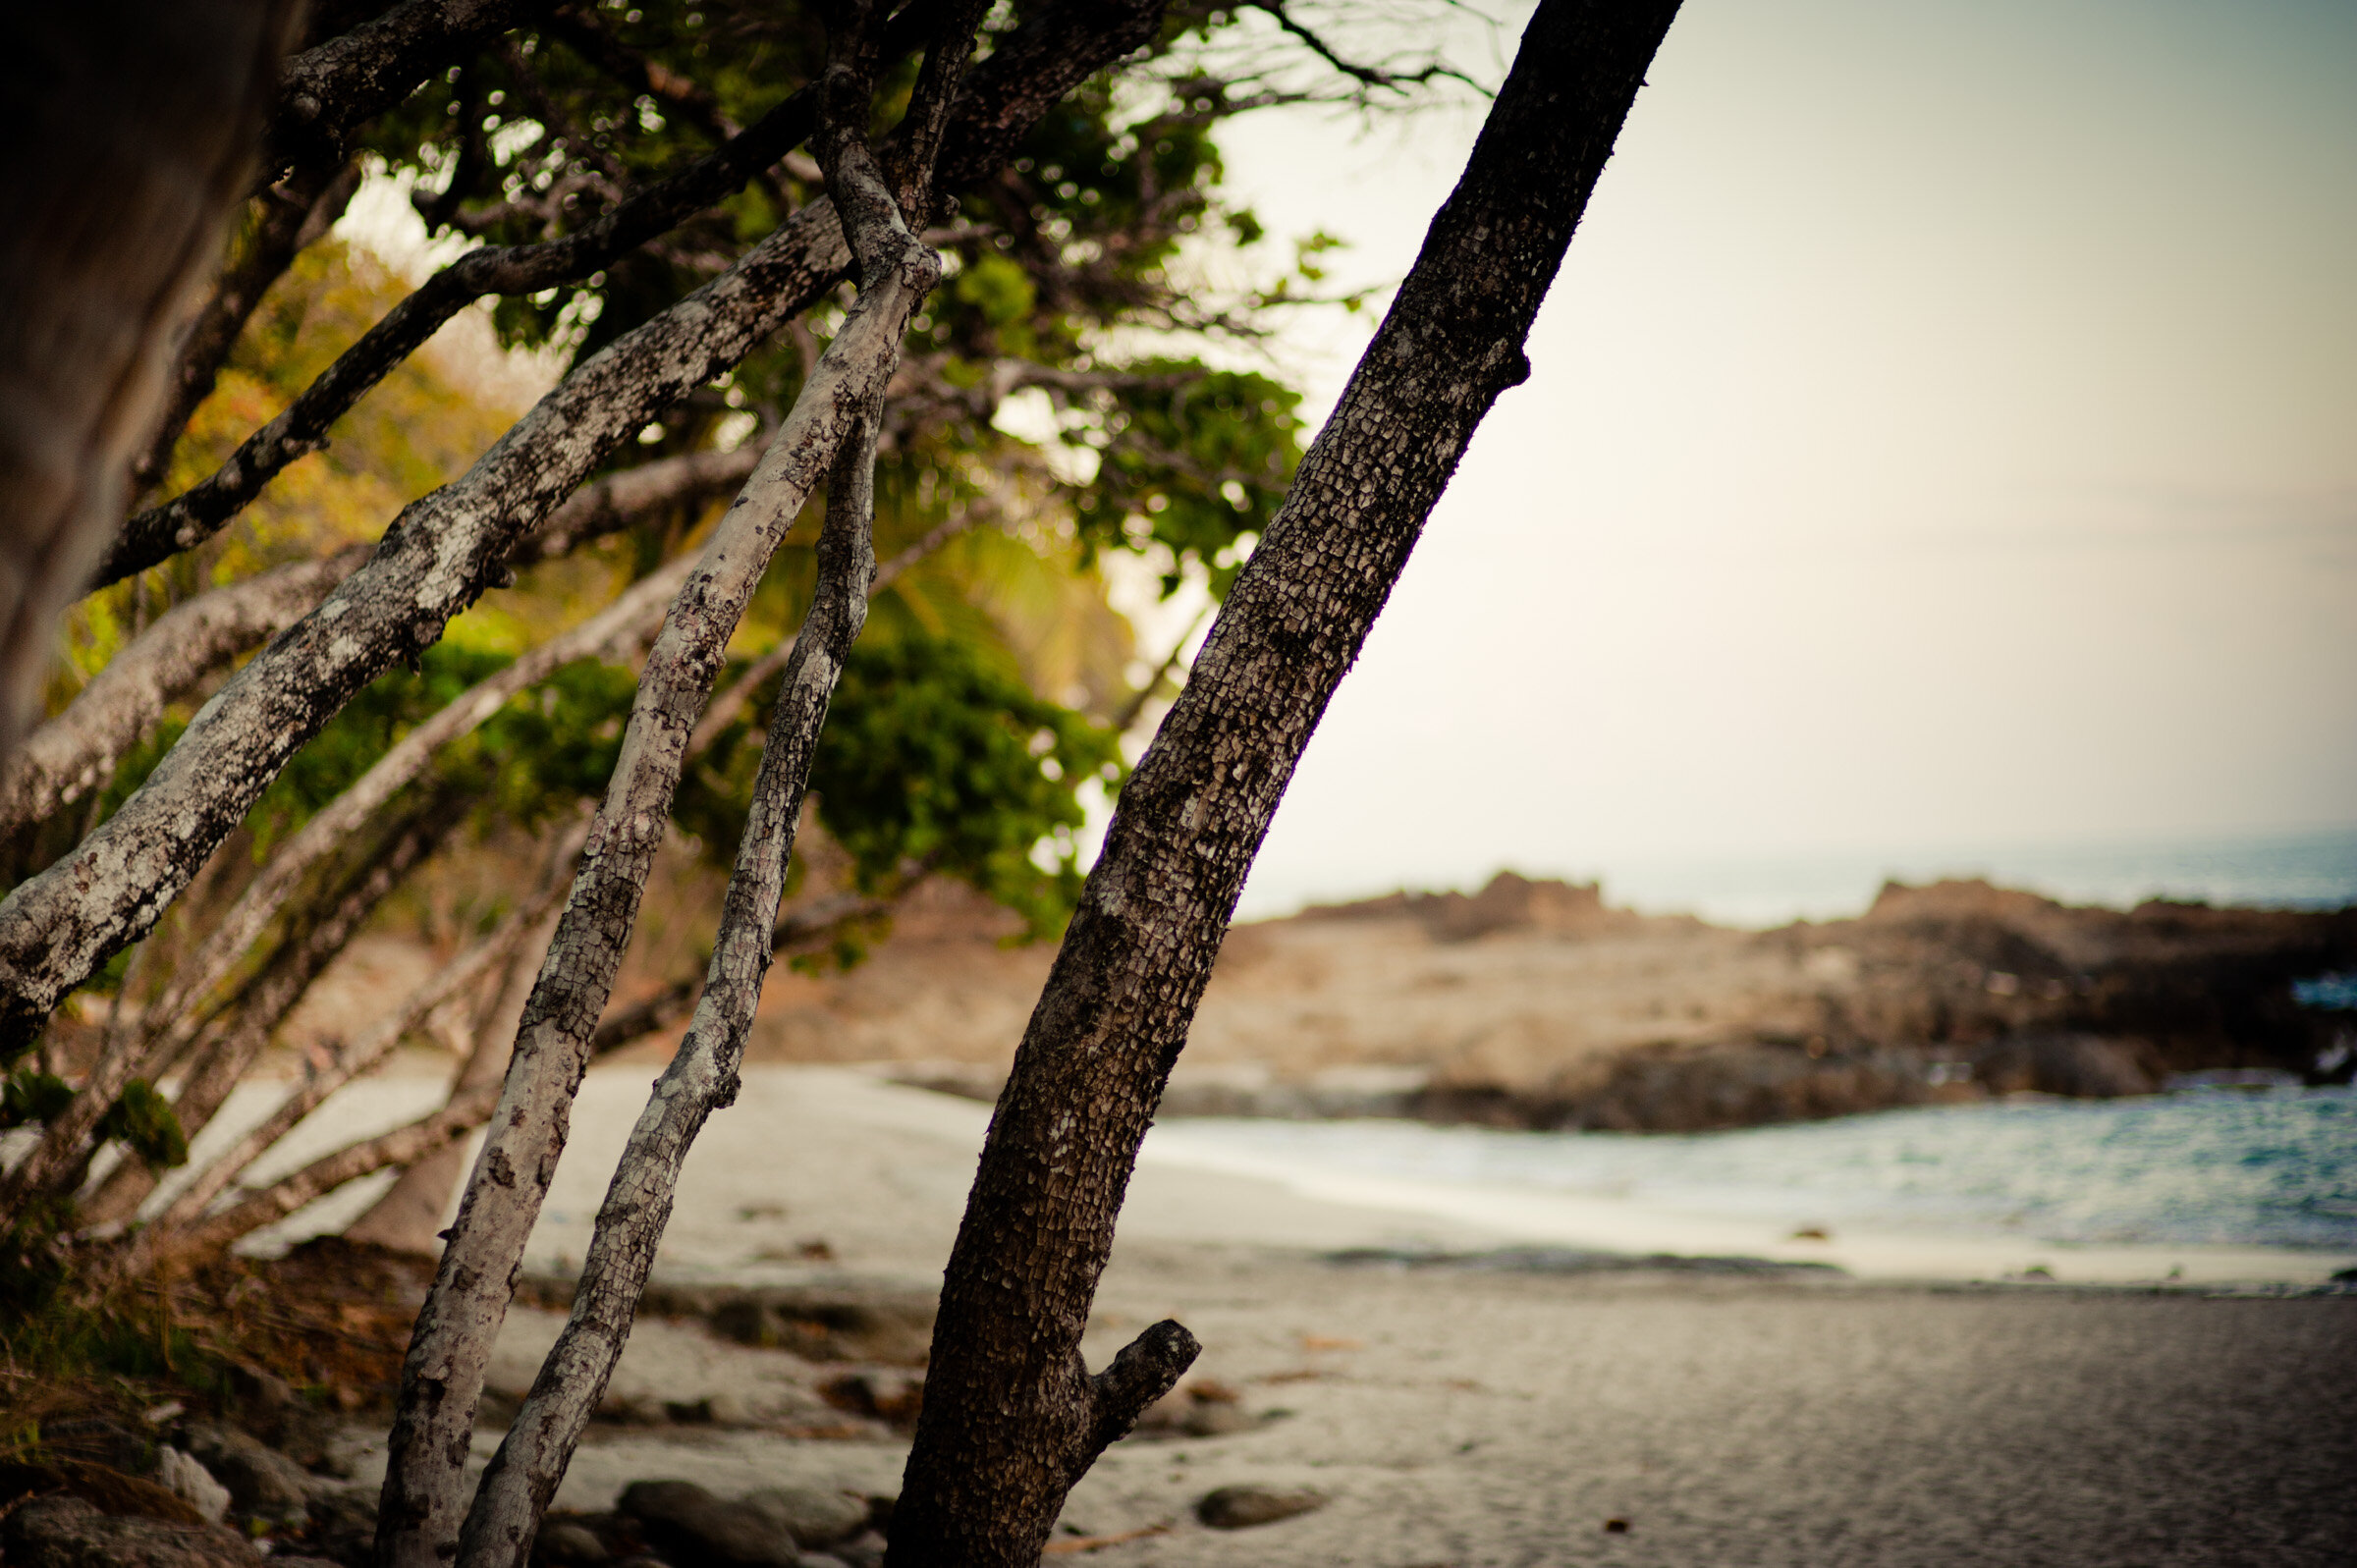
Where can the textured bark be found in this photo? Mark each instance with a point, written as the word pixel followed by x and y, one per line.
pixel 702 1075
pixel 238 1036
pixel 131 126
pixel 833 425
pixel 77 750
pixel 327 92
pixel 447 548
pixel 294 215
pixel 1008 1418
pixel 66 1140
pixel 442 1375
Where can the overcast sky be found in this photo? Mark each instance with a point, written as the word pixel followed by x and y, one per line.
pixel 1944 433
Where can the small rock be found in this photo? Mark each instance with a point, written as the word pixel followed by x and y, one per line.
pixel 182 1476
pixel 814 1517
pixel 1214 1420
pixel 637 1408
pixel 68 1532
pixel 696 1530
pixel 343 1524
pixel 893 1398
pixel 263 1483
pixel 864 1550
pixel 1241 1507
pixel 1616 1526
pixel 728 1408
pixel 569 1544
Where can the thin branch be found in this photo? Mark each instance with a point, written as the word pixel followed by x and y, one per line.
pixel 243 1028
pixel 702 1075
pixel 728 704
pixel 621 498
pixel 442 1375
pixel 201 510
pixel 1136 705
pixel 403 1146
pixel 358 1058
pixel 294 215
pixel 79 750
pixel 326 94
pixel 798 928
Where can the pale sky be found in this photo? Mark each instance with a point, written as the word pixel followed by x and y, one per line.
pixel 1944 433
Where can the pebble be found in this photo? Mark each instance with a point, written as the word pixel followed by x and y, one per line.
pixel 814 1517
pixel 696 1530
pixel 1241 1507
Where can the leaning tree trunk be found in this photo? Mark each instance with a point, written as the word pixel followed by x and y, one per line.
pixel 131 128
pixel 1011 1418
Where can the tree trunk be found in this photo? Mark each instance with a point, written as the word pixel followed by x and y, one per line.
pixel 1010 1419
pixel 702 1075
pixel 133 128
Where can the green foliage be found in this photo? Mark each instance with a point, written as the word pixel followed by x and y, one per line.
pixel 30 1096
pixel 932 756
pixel 140 1117
pixel 1197 462
pixel 143 1119
pixel 546 749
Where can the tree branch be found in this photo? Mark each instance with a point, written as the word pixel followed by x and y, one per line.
pixel 243 1029
pixel 201 510
pixel 442 1375
pixel 619 500
pixel 447 548
pixel 702 1075
pixel 1366 76
pixel 327 92
pixel 403 1146
pixel 296 214
pixel 79 750
pixel 1147 1367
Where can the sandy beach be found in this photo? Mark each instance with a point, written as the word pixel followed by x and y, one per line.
pixel 1466 1414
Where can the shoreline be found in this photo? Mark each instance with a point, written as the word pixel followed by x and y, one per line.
pixel 878 1172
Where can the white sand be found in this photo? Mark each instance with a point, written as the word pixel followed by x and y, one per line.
pixel 1464 1417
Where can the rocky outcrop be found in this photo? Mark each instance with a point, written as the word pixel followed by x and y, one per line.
pixel 1536 1003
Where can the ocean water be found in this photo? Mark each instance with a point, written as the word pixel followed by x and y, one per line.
pixel 2268 1167
pixel 2312 869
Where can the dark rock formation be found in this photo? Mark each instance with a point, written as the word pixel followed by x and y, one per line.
pixel 62 1532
